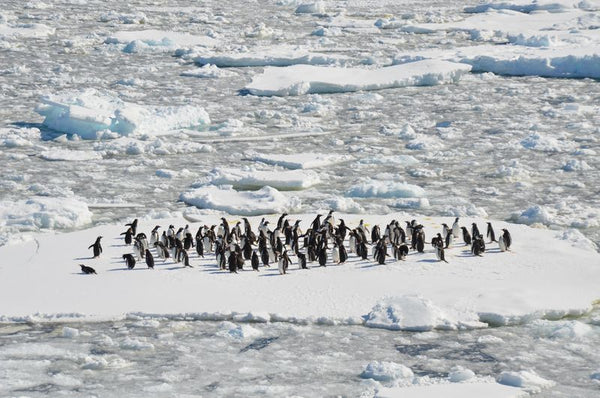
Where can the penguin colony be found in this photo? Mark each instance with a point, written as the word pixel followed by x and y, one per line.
pixel 325 242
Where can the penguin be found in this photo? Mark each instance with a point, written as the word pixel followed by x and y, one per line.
pixel 247 248
pixel 129 260
pixel 478 246
pixel 87 270
pixel 188 241
pixel 322 256
pixel 302 260
pixel 343 252
pixel 200 247
pixel 456 228
pixel 490 232
pixel 284 262
pixel 311 253
pixel 164 239
pixel 507 239
pixel 437 240
pixel 185 259
pixel 402 252
pixel 474 230
pixel 232 264
pixel 445 231
pixel 280 221
pixel 179 234
pixel 133 226
pixel 466 236
pixel 335 254
pixel 439 252
pixel 149 259
pixel 381 252
pixel 449 238
pixel 375 234
pixel 97 247
pixel 128 236
pixel 264 256
pixel 154 237
pixel 254 261
pixel 162 251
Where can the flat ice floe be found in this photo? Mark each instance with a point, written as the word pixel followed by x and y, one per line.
pixel 45 212
pixel 254 179
pixel 92 115
pixel 385 189
pixel 136 40
pixel 308 79
pixel 266 200
pixel 29 30
pixel 298 161
pixel 284 55
pixel 544 276
pixel 478 389
pixel 534 5
pixel 69 155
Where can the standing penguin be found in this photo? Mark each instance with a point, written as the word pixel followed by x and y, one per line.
pixel 439 252
pixel 284 262
pixel 149 259
pixel 478 246
pixel 335 254
pixel 129 260
pixel 466 236
pixel 133 226
pixel 456 228
pixel 301 260
pixel 154 236
pixel 474 230
pixel 254 261
pixel 490 232
pixel 128 236
pixel 505 240
pixel 186 259
pixel 232 263
pixel 97 247
pixel 402 251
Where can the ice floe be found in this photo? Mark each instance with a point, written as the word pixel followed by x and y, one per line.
pixel 298 161
pixel 417 294
pixel 253 179
pixel 479 389
pixel 526 379
pixel 45 212
pixel 309 79
pixel 69 155
pixel 92 115
pixel 385 189
pixel 283 55
pixel 266 200
pixel 208 71
pixel 152 39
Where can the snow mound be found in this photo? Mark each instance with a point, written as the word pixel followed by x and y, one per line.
pixel 572 330
pixel 308 79
pixel 45 212
pixel 391 373
pixel 266 200
pixel 69 333
pixel 69 155
pixel 385 189
pixel 136 345
pixel 535 214
pixel 460 374
pixel 91 115
pixel 298 161
pixel 254 179
pixel 526 379
pixel 153 39
pixel 283 55
pixel 415 313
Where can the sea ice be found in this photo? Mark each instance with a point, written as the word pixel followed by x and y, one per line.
pixel 254 179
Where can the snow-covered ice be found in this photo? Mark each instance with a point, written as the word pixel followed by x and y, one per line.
pixel 299 160
pixel 256 178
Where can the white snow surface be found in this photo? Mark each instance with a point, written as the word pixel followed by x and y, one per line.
pixel 250 178
pixel 92 115
pixel 541 277
pixel 309 79
pixel 45 212
pixel 266 200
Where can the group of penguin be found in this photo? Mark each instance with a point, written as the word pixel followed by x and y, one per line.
pixel 233 246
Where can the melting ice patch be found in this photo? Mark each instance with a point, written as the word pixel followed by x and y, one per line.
pixel 526 379
pixel 69 155
pixel 266 200
pixel 92 115
pixel 307 79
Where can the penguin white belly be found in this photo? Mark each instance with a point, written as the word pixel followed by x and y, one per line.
pixel 456 230
pixel 501 243
pixel 352 244
pixel 335 255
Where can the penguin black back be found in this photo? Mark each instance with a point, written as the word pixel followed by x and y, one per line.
pixel 129 260
pixel 149 259
pixel 87 270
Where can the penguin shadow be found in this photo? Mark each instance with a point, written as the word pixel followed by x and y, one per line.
pixel 270 274
pixel 371 265
pixel 84 258
pixel 428 260
pixel 127 269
